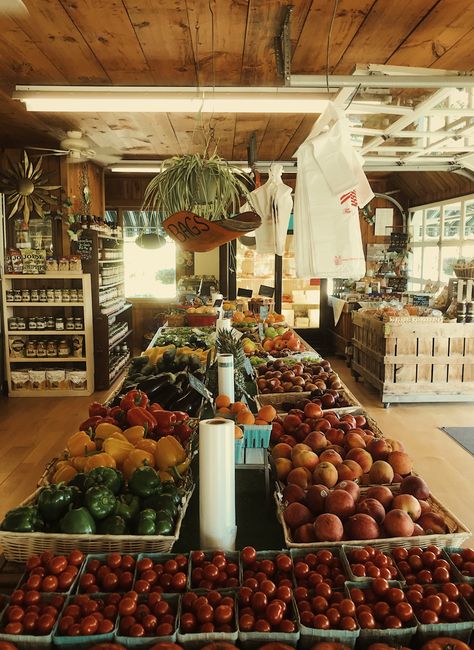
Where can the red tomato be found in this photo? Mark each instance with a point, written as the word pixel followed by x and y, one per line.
pixel 127 606
pixel 261 625
pixel 29 622
pixel 427 617
pixel 246 622
pixel 65 580
pixel 366 620
pixel 248 555
pixel 450 611
pixel 380 587
pixel 443 643
pixel 13 628
pixel 404 611
pixel 395 595
pixel 347 607
pixel 392 622
pixel 33 562
pixel 273 613
pixel 258 601
pixel 188 623
pixel 321 622
pixel 110 582
pixel 45 624
pixel 93 566
pixel 283 562
pixel 205 614
pixel 136 630
pixel 287 626
pixel 14 614
pixel 57 564
pixel 76 557
pixel 105 627
pixel 89 625
pixel 128 562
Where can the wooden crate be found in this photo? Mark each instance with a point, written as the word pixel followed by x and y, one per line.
pixel 415 361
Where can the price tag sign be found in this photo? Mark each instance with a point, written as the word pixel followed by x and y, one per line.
pixel 199 387
pixel 421 301
pixel 266 291
pixel 260 330
pixel 244 293
pixel 248 367
pixel 237 334
pixel 264 312
pixel 218 303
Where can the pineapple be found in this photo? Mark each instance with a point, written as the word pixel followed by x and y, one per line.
pixel 226 343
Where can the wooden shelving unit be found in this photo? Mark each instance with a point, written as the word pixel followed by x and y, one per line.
pixel 41 309
pixel 102 257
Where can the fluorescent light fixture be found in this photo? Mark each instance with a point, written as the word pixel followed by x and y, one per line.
pixel 154 167
pixel 93 99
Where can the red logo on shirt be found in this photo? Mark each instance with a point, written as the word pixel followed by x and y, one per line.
pixel 350 198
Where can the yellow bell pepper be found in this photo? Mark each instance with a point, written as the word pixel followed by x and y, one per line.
pixel 80 444
pixel 79 462
pixel 165 477
pixel 147 444
pixel 135 459
pixel 64 473
pixel 118 449
pixel 134 434
pixel 168 453
pixel 105 429
pixel 99 460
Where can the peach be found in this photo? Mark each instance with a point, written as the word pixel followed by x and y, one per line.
pixel 291 423
pixel 373 508
pixel 360 421
pixel 408 504
pixel 340 503
pixel 283 467
pixel 350 419
pixel 328 528
pixel 351 487
pixel 368 438
pixel 292 493
pixel 417 530
pixel 425 506
pixel 432 523
pixel 400 462
pixel 395 445
pixel 398 523
pixel 289 440
pixel 316 440
pixel 353 440
pixel 297 514
pixel 381 472
pixel 316 498
pixel 379 449
pixel 362 457
pixel 281 450
pixel 305 459
pixel 349 470
pixel 300 476
pixel 416 486
pixel 301 432
pixel 325 474
pixel 362 526
pixel 382 494
pixel 335 436
pixel 330 456
pixel 300 446
pixel 305 534
pixel 312 410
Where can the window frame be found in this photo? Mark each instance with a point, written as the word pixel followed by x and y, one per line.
pixel 442 241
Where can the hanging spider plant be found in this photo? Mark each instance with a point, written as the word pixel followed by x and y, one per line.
pixel 25 187
pixel 206 185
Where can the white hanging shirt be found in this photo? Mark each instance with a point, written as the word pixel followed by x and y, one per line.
pixel 273 202
pixel 330 186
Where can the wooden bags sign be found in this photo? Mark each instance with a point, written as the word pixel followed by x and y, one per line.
pixel 198 235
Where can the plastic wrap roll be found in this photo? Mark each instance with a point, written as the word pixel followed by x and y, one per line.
pixel 225 375
pixel 217 484
pixel 223 324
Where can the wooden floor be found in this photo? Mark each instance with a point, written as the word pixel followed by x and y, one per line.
pixel 32 431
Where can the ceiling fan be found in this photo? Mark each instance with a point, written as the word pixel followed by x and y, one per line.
pixel 79 149
pixel 13 8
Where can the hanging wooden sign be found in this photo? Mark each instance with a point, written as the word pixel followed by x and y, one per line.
pixel 198 235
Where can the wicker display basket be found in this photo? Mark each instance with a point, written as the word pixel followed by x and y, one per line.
pixel 18 547
pixel 458 533
pixel 278 399
pixel 464 271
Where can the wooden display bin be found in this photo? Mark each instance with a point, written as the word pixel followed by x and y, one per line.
pixel 416 361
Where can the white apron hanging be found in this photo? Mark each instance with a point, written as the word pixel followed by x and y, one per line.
pixel 330 186
pixel 273 202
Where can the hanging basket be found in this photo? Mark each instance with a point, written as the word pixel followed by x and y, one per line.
pixel 198 235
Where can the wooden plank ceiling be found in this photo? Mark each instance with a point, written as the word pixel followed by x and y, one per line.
pixel 225 42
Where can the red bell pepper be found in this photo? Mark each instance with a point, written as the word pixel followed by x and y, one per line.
pixel 182 431
pixel 90 423
pixel 96 408
pixel 164 419
pixel 153 408
pixel 118 414
pixel 139 416
pixel 134 398
pixel 181 416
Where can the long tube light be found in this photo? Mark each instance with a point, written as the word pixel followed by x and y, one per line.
pixel 154 167
pixel 463 80
pixel 85 99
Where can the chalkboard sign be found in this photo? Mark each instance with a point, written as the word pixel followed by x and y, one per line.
pixel 398 242
pixel 421 301
pixel 398 284
pixel 199 387
pixel 266 291
pixel 218 303
pixel 84 248
pixel 244 293
pixel 264 312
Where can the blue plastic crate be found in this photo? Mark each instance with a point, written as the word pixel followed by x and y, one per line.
pixel 81 642
pixel 257 436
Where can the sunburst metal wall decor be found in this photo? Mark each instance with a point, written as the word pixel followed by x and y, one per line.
pixel 25 187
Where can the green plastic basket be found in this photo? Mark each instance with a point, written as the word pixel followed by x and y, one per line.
pixel 460 630
pixel 400 637
pixel 459 577
pixel 257 436
pixel 148 641
pixel 82 642
pixel 71 589
pixel 309 635
pixel 253 640
pixel 159 558
pixel 346 549
pixel 239 451
pixel 27 641
pixel 102 557
pixel 199 640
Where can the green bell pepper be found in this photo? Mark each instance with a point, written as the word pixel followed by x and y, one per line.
pixel 100 501
pixel 54 501
pixel 164 524
pixel 145 481
pixel 162 502
pixel 79 481
pixel 25 519
pixel 104 477
pixel 146 522
pixel 171 489
pixel 78 521
pixel 127 506
pixel 112 525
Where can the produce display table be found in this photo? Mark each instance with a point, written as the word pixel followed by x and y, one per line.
pixel 414 361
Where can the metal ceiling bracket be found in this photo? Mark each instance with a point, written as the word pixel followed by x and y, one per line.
pixel 252 150
pixel 283 47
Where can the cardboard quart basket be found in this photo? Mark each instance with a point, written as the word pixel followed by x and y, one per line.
pixel 458 532
pixel 277 400
pixel 18 547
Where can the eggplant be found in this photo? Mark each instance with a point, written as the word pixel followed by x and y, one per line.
pixel 189 403
pixel 165 395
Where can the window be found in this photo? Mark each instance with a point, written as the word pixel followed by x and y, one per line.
pixel 149 273
pixel 440 234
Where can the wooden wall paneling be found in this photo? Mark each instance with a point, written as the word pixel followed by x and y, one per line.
pixel 299 136
pixel 382 32
pixel 225 61
pixel 95 178
pixel 245 125
pixel 428 187
pixel 310 53
pixel 446 24
pixel 164 34
pixel 280 129
pixel 50 27
pixel 106 26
